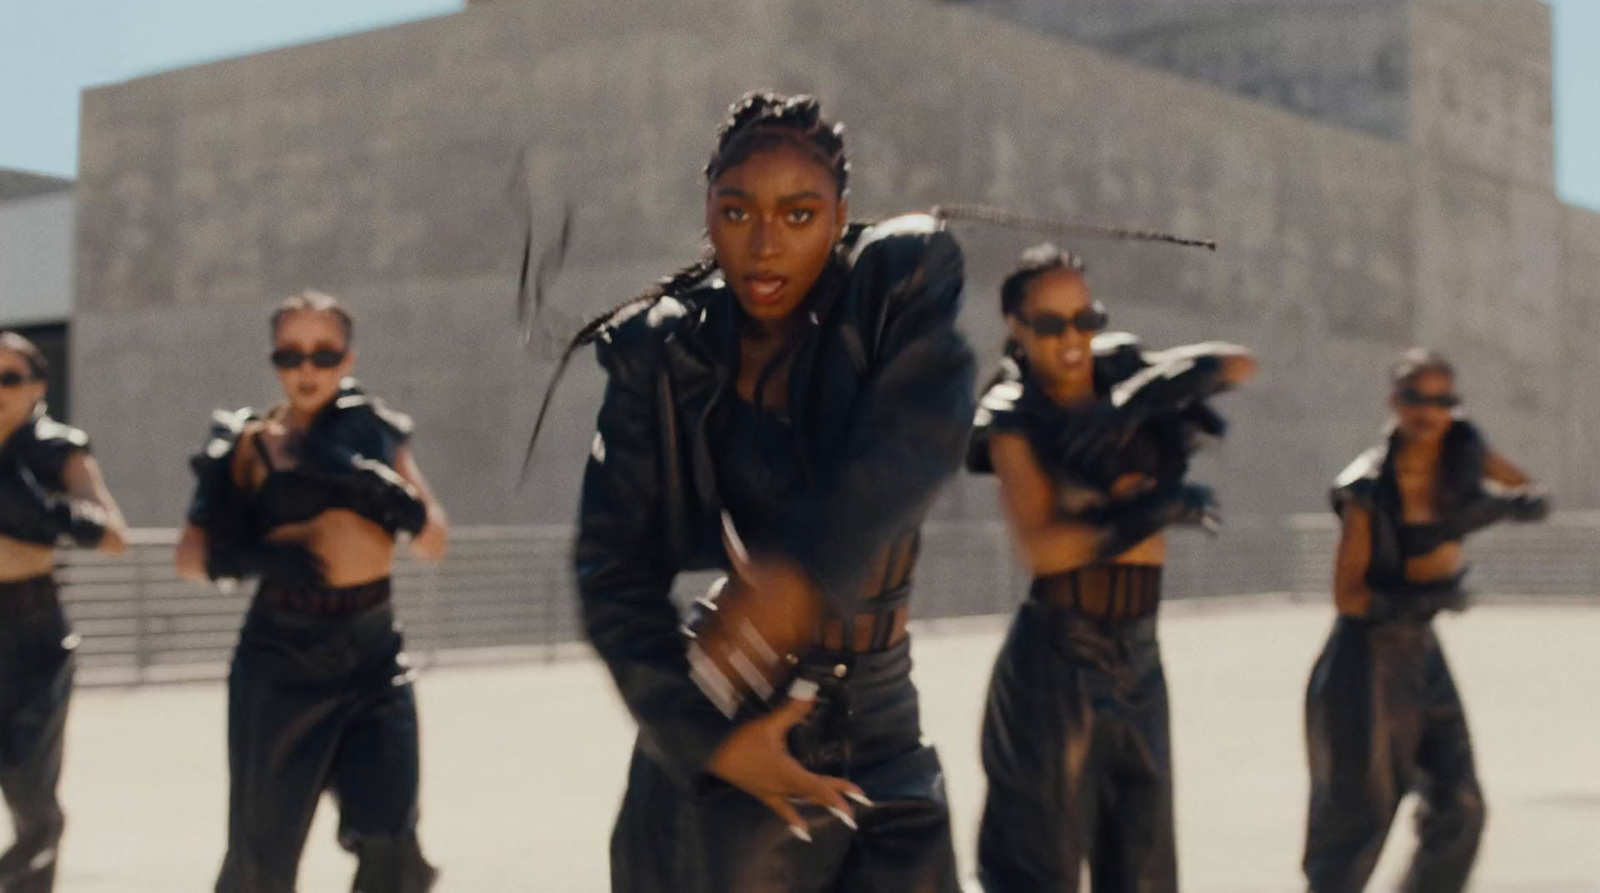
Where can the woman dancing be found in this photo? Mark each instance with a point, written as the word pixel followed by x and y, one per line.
pixel 1382 713
pixel 50 492
pixel 309 497
pixel 1090 437
pixel 786 410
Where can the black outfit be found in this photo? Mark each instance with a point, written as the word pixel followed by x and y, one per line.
pixel 879 403
pixel 1382 713
pixel 1075 734
pixel 36 665
pixel 319 693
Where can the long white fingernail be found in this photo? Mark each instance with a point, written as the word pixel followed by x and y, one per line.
pixel 843 816
pixel 859 798
pixel 803 690
pixel 800 832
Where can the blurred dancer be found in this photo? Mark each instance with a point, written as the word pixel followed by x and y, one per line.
pixel 785 409
pixel 309 497
pixel 50 491
pixel 1382 713
pixel 1090 436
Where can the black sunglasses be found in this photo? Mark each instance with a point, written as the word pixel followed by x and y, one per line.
pixel 1049 325
pixel 289 358
pixel 13 379
pixel 1409 397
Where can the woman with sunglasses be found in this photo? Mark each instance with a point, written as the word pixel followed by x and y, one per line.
pixel 50 492
pixel 310 497
pixel 1382 711
pixel 1090 436
pixel 785 410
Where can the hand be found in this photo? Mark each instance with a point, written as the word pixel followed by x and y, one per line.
pixel 751 626
pixel 430 543
pixel 1127 524
pixel 114 543
pixel 1529 506
pixel 756 759
pixel 82 521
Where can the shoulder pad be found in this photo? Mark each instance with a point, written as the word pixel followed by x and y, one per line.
pixel 212 467
pixel 631 337
pixel 1356 483
pixel 227 426
pixel 918 226
pixel 1107 343
pixel 49 431
pixel 352 396
pixel 361 422
pixel 46 445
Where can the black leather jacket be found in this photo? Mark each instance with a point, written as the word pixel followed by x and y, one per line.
pixel 1128 428
pixel 1466 502
pixel 31 463
pixel 880 397
pixel 353 426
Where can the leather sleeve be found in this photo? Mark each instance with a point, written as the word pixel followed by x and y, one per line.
pixel 217 506
pixel 47 451
pixel 1357 484
pixel 999 412
pixel 911 421
pixel 623 571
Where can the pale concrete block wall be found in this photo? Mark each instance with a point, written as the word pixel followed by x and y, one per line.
pixel 378 167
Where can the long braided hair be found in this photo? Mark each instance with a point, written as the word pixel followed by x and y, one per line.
pixel 758 122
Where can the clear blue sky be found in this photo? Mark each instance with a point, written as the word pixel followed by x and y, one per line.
pixel 51 49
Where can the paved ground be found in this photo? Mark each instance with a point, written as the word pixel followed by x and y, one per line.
pixel 523 763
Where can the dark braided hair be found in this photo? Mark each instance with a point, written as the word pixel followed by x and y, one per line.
pixel 758 122
pixel 763 120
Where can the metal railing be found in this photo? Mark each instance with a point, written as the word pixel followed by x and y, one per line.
pixel 506 592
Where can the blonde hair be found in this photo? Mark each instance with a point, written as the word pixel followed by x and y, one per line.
pixel 313 301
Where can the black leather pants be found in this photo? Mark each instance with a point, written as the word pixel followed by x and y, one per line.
pixel 1076 750
pixel 1383 718
pixel 322 703
pixel 36 670
pixel 717 839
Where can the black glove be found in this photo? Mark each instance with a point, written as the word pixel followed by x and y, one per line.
pixel 79 520
pixel 289 563
pixel 1522 506
pixel 42 517
pixel 1130 522
pixel 1528 507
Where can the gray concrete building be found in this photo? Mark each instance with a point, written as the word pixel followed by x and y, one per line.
pixel 36 257
pixel 1378 174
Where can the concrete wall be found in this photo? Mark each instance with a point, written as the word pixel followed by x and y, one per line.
pixel 1466 77
pixel 380 167
pixel 1481 87
pixel 36 251
pixel 1341 61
